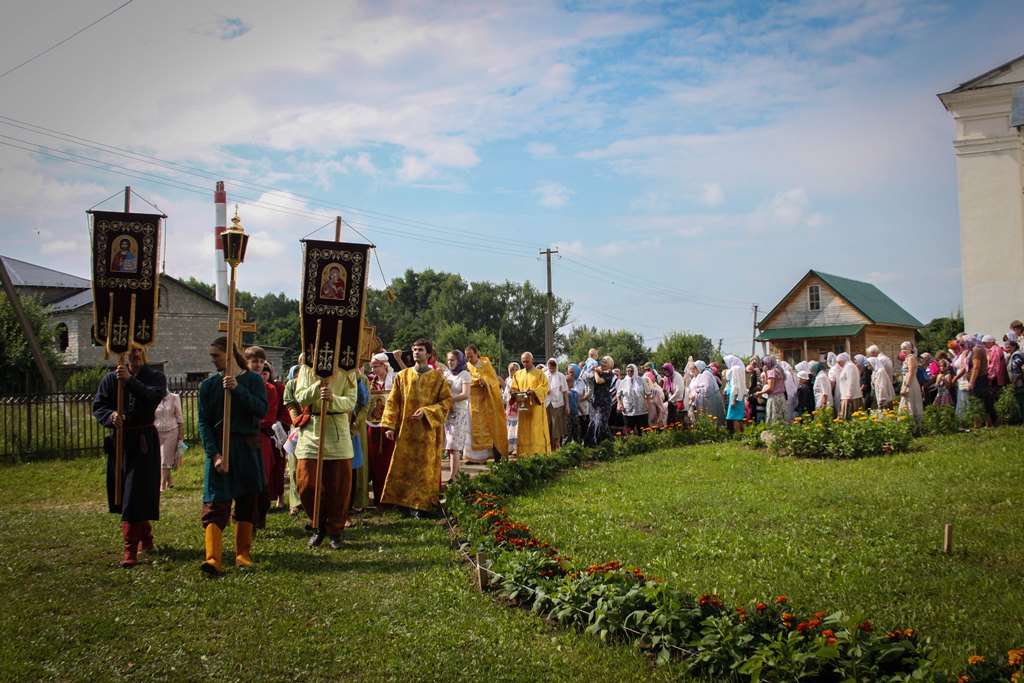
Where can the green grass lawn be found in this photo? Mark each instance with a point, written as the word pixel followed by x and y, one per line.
pixel 395 605
pixel 863 536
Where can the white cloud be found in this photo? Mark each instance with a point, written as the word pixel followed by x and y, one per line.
pixel 414 169
pixel 541 150
pixel 712 194
pixel 553 195
pixel 786 211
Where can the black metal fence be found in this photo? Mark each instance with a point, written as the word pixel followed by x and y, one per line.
pixel 44 426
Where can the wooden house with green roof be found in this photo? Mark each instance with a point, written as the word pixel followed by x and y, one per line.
pixel 824 313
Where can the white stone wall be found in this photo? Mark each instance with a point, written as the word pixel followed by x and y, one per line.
pixel 990 183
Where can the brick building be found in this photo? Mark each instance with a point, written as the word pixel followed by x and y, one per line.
pixel 187 320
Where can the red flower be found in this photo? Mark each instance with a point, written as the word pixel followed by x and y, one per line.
pixel 760 607
pixel 867 627
pixel 781 600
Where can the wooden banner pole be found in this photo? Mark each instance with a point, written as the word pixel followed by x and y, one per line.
pixel 325 382
pixel 229 365
pixel 320 438
pixel 119 436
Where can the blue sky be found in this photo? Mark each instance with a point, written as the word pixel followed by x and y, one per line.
pixel 688 159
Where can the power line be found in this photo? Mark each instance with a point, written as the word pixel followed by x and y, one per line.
pixel 397 226
pixel 208 175
pixel 53 47
pixel 680 292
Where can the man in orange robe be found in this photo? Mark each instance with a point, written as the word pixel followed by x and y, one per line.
pixel 533 420
pixel 487 425
pixel 413 418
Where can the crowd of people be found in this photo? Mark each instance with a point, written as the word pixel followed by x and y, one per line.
pixel 329 443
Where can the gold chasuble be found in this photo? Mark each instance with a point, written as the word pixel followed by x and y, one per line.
pixel 414 478
pixel 486 412
pixel 533 422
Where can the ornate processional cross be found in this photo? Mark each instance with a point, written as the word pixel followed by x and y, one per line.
pixel 241 327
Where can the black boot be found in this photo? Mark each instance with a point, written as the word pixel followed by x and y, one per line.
pixel 316 539
pixel 335 541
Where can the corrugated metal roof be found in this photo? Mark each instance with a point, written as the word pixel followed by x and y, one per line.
pixel 809 332
pixel 870 301
pixel 73 302
pixel 30 275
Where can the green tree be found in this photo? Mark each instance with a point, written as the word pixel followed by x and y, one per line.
pixel 453 335
pixel 623 346
pixel 204 287
pixel 424 302
pixel 277 321
pixel 18 370
pixel 939 331
pixel 677 347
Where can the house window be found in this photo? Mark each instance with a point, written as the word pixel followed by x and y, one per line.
pixel 814 298
pixel 62 337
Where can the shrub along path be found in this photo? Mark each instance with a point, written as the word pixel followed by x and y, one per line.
pixel 862 536
pixel 395 605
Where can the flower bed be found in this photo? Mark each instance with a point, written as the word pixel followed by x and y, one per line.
pixel 768 640
pixel 822 435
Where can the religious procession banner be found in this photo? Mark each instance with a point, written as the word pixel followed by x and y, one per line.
pixel 125 278
pixel 333 303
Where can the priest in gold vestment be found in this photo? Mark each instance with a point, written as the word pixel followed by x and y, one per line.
pixel 487 425
pixel 414 418
pixel 533 420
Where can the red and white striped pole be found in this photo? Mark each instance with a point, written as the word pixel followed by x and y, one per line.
pixel 220 201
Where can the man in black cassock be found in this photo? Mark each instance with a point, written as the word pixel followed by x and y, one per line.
pixel 144 388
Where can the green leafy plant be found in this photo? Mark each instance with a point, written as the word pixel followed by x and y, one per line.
pixel 821 435
pixel 939 420
pixel 972 415
pixel 1006 407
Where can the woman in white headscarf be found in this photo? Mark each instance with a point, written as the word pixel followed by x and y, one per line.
pixel 735 393
pixel 833 377
pixel 850 397
pixel 791 386
pixel 511 409
pixel 632 397
pixel 822 386
pixel 881 379
pixel 705 396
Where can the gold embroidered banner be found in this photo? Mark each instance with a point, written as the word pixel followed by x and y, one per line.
pixel 333 302
pixel 125 278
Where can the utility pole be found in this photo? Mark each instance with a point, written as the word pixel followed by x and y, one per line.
pixel 549 321
pixel 753 337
